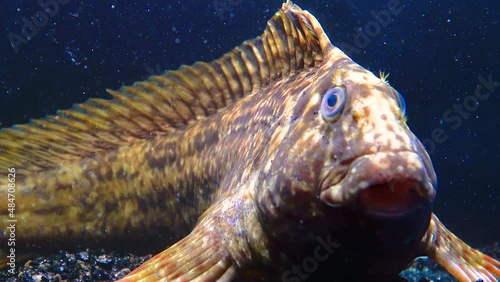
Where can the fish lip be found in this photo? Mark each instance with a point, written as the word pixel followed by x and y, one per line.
pixel 379 168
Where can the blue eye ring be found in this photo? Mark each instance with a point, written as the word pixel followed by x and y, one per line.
pixel 333 103
pixel 401 104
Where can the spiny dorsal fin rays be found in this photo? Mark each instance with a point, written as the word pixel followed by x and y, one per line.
pixel 310 23
pixel 163 104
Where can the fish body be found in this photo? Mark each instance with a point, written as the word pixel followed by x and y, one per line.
pixel 283 160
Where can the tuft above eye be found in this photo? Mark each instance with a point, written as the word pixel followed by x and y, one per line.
pixel 401 103
pixel 332 104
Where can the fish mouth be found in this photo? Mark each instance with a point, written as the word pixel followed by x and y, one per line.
pixel 390 200
pixel 384 184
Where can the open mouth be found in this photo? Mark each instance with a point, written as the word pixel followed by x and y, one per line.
pixel 393 199
pixel 388 184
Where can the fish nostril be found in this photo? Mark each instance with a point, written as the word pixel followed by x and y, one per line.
pixel 391 198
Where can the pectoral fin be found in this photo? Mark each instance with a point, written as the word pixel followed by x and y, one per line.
pixel 200 256
pixel 462 261
pixel 215 250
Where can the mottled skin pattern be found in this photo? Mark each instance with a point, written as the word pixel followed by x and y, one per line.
pixel 241 149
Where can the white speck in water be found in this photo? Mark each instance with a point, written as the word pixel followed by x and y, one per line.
pixel 177 40
pixel 72 53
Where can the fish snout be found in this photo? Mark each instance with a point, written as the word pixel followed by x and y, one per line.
pixel 383 184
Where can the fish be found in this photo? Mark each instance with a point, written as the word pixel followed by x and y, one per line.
pixel 283 160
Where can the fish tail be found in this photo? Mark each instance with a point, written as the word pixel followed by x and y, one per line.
pixel 462 261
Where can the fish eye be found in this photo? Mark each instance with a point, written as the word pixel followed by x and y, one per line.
pixel 332 104
pixel 401 103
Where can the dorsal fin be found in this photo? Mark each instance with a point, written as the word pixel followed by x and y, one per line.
pixel 165 103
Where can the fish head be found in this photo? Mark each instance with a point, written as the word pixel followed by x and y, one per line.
pixel 343 143
pixel 346 142
pixel 372 161
pixel 343 164
pixel 340 151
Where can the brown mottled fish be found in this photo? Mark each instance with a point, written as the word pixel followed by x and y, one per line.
pixel 289 160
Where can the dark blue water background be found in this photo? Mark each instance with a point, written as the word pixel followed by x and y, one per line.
pixel 434 51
